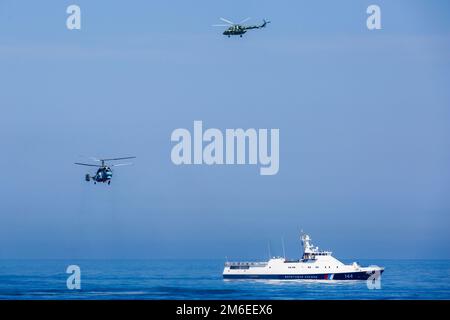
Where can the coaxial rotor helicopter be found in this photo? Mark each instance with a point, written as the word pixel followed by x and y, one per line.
pixel 104 173
pixel 238 29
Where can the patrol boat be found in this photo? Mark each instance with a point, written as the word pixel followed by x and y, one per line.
pixel 315 264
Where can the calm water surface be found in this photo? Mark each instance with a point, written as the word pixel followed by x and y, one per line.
pixel 201 279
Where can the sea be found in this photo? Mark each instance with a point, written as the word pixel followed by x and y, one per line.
pixel 202 279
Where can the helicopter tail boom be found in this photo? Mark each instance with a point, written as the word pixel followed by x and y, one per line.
pixel 260 26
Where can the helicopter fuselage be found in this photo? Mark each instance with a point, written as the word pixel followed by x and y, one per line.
pixel 235 31
pixel 104 174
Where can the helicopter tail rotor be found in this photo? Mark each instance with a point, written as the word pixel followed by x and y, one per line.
pixel 265 22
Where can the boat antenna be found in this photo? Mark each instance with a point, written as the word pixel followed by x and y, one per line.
pixel 268 247
pixel 301 241
pixel 284 251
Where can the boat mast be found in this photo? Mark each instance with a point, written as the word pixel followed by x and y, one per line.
pixel 268 247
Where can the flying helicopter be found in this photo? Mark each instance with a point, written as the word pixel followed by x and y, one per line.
pixel 104 173
pixel 238 29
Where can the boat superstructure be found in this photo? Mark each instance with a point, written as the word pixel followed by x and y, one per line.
pixel 315 264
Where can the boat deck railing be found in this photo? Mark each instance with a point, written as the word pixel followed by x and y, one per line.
pixel 245 264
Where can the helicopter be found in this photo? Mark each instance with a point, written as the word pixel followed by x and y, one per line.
pixel 104 173
pixel 237 29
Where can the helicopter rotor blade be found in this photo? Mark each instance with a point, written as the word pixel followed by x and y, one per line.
pixel 90 158
pixel 227 21
pixel 220 25
pixel 86 164
pixel 113 159
pixel 121 164
pixel 245 20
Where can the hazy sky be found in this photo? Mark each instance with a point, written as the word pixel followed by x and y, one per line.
pixel 364 119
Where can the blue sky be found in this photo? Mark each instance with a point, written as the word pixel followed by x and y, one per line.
pixel 363 118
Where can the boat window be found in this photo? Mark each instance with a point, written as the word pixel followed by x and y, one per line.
pixel 239 267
